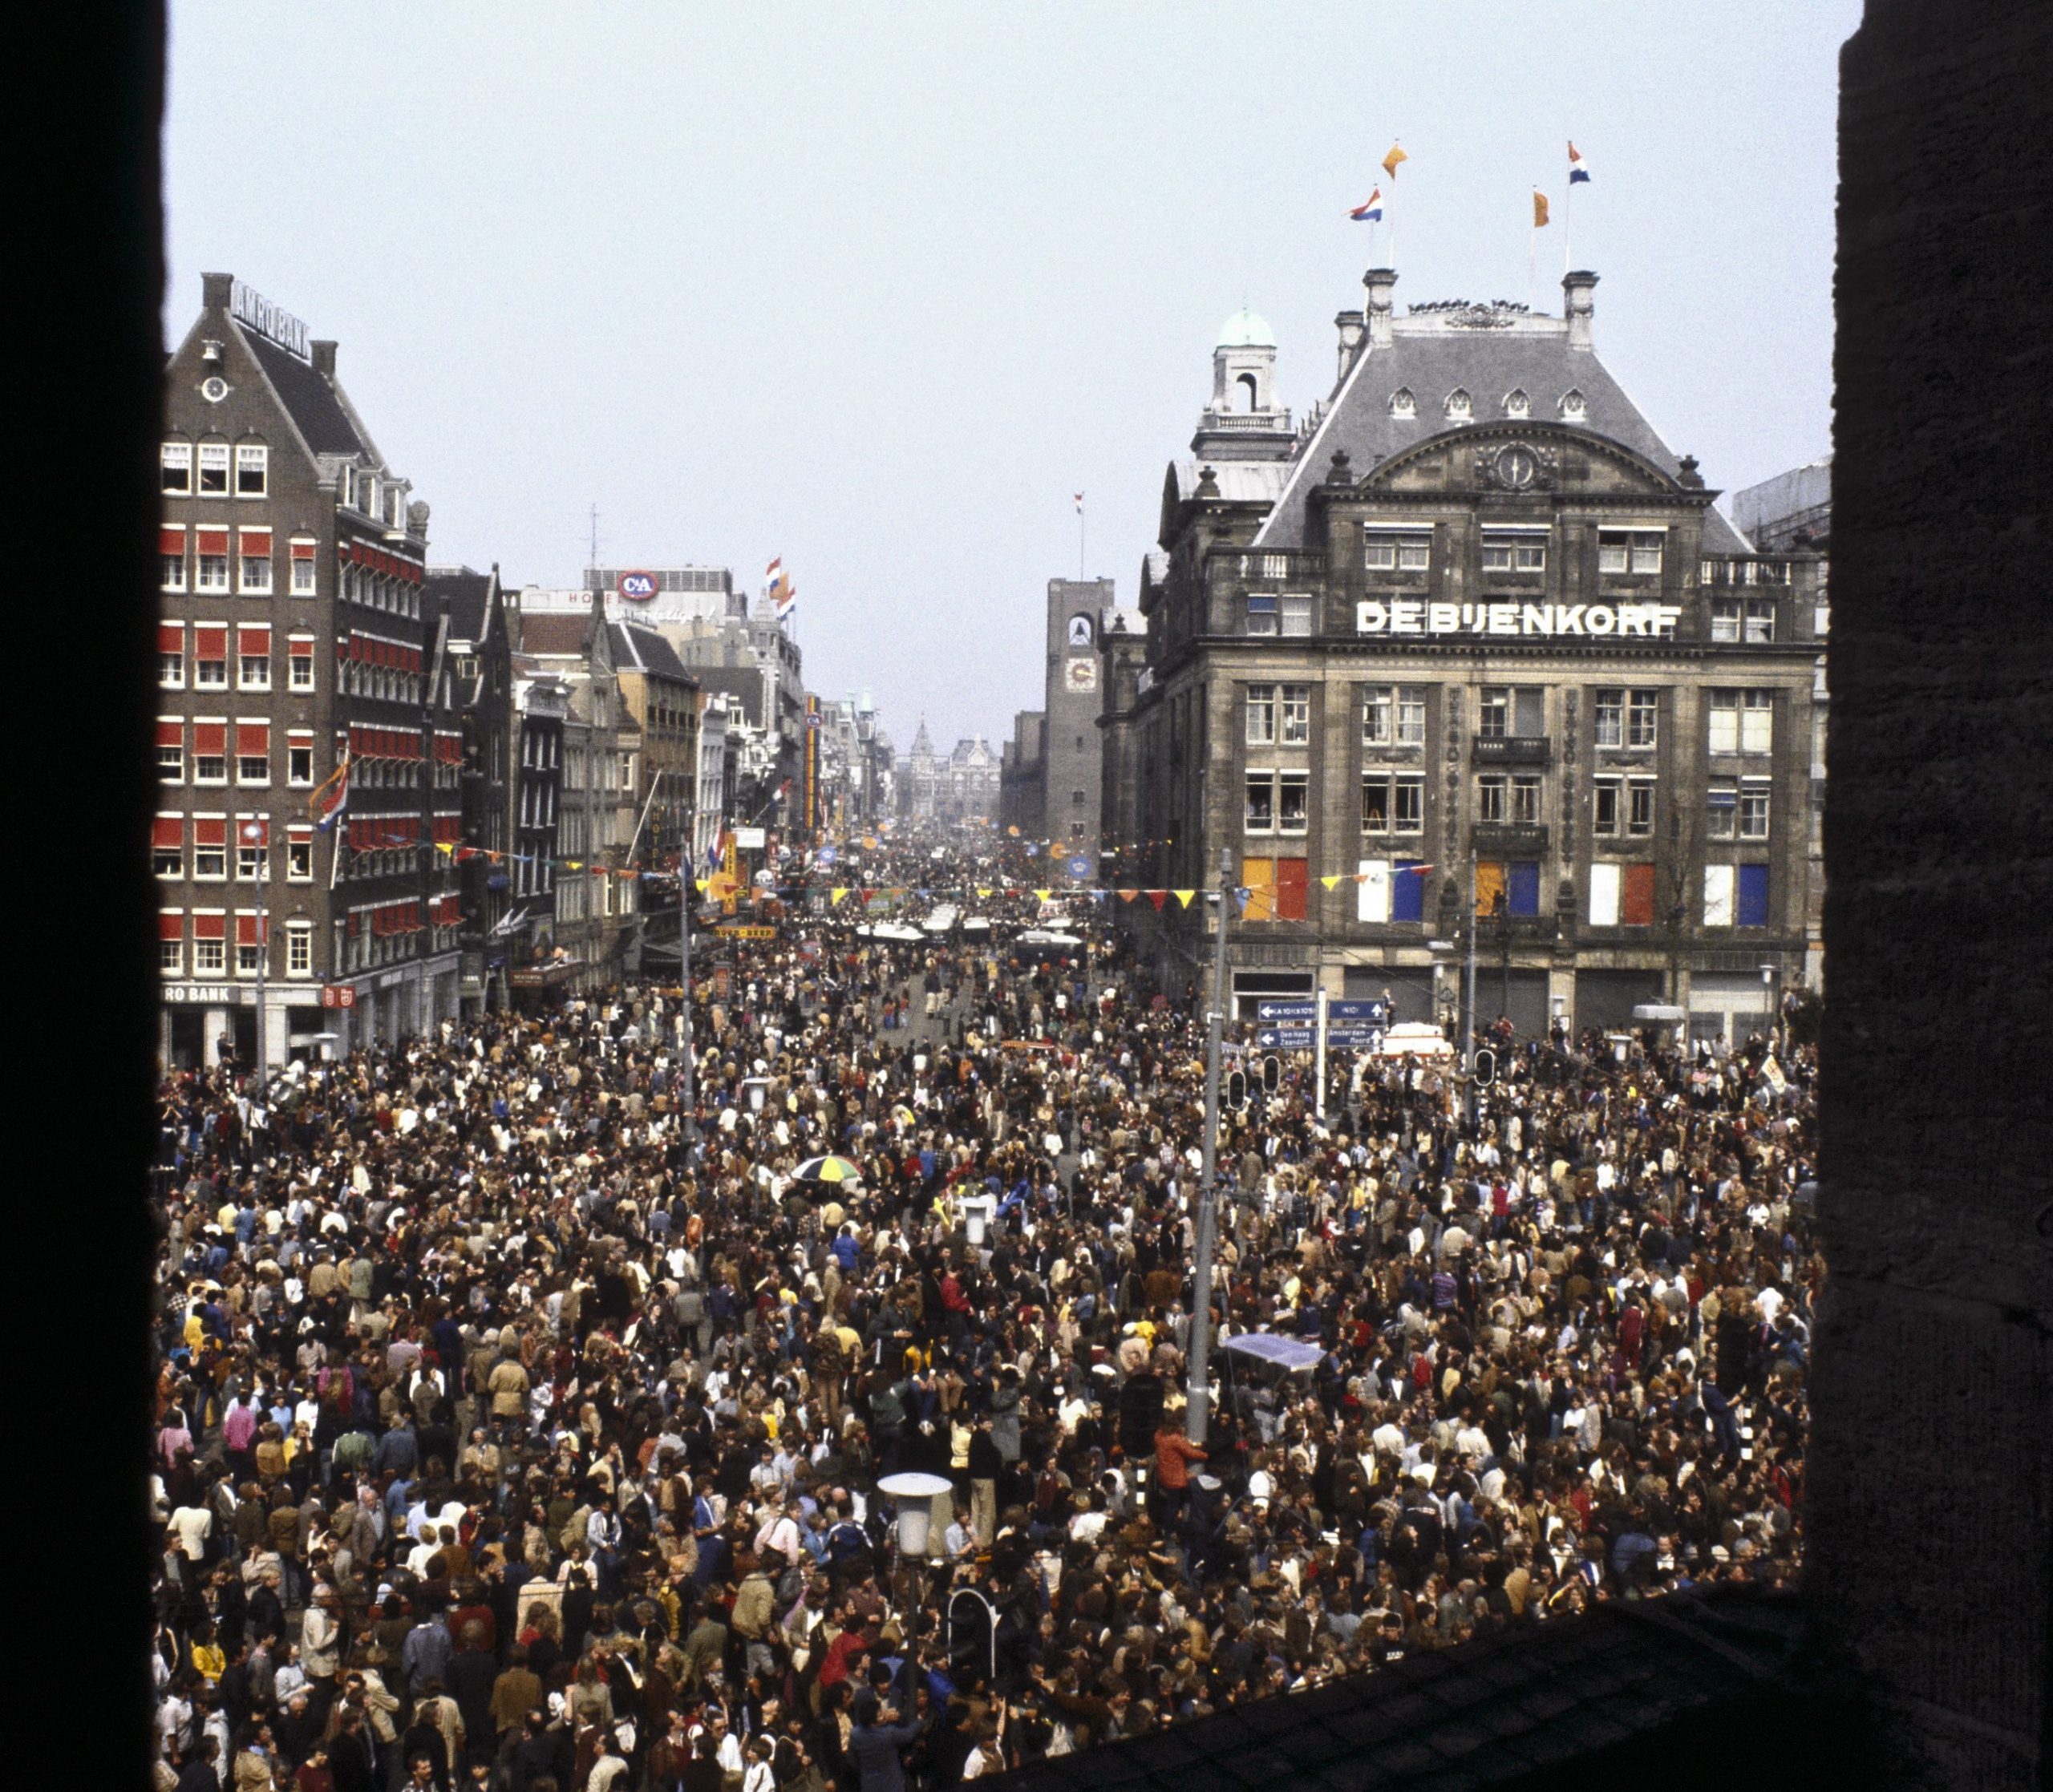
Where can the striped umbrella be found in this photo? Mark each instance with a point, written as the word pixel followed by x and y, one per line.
pixel 828 1169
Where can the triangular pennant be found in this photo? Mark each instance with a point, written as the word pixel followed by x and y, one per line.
pixel 983 891
pixel 834 895
pixel 1331 882
pixel 698 883
pixel 1128 895
pixel 1158 897
pixel 1045 895
pixel 1183 896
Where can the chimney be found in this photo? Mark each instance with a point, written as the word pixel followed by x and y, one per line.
pixel 1349 324
pixel 215 289
pixel 1576 306
pixel 324 358
pixel 1379 280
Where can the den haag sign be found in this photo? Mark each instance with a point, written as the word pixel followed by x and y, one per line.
pixel 1405 616
pixel 248 306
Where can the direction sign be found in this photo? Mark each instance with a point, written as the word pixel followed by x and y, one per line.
pixel 1286 1010
pixel 1337 1011
pixel 1306 1038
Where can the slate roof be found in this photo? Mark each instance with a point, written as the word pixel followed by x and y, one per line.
pixel 1487 1713
pixel 467 592
pixel 1431 359
pixel 644 650
pixel 309 398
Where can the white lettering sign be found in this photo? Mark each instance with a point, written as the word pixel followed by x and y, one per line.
pixel 249 306
pixel 1404 616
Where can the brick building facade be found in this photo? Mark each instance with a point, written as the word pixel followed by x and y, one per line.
pixel 293 638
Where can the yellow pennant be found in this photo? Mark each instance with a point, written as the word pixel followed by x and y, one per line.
pixel 575 864
pixel 700 883
pixel 1183 896
pixel 1332 882
pixel 983 891
pixel 448 847
pixel 835 895
pixel 1044 895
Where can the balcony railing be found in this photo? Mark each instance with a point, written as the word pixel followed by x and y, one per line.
pixel 1512 750
pixel 1752 569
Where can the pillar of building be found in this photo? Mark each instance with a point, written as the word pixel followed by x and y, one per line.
pixel 1929 1518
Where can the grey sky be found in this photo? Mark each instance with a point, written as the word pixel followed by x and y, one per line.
pixel 877 288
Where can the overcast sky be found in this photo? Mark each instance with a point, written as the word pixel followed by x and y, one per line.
pixel 877 288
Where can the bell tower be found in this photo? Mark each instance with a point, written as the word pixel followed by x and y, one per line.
pixel 1243 421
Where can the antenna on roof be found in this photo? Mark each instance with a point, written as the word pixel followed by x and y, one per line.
pixel 592 565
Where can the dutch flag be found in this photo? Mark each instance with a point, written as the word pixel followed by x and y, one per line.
pixel 1578 169
pixel 1370 211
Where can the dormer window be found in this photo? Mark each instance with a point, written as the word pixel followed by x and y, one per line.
pixel 1574 407
pixel 1403 404
pixel 1459 409
pixel 1516 404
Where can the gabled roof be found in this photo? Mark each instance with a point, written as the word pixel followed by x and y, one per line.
pixel 468 596
pixel 313 404
pixel 1432 359
pixel 644 650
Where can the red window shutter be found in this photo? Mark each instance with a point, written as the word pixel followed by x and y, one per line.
pixel 252 740
pixel 299 737
pixel 299 833
pixel 1636 905
pixel 209 643
pixel 253 640
pixel 1292 880
pixel 210 927
pixel 171 925
pixel 210 830
pixel 255 544
pixel 170 733
pixel 302 550
pixel 171 638
pixel 213 541
pixel 171 539
pixel 249 929
pixel 353 921
pixel 210 739
pixel 167 830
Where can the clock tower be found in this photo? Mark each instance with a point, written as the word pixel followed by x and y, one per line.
pixel 1072 760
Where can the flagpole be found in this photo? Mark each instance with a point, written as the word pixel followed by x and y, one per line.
pixel 1082 523
pixel 1531 257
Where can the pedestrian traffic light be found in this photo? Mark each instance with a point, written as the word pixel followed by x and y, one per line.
pixel 1485 1066
pixel 1236 1089
pixel 1272 1073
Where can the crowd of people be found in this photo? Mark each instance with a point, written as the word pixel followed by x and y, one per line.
pixel 522 1409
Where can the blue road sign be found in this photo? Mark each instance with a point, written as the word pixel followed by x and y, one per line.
pixel 1306 1038
pixel 1287 1038
pixel 1285 1010
pixel 1362 1011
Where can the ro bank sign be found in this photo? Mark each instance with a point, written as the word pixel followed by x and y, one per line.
pixel 1404 616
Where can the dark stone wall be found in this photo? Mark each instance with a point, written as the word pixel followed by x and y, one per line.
pixel 1928 1507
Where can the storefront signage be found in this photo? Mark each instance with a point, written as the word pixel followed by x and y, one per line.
pixel 637 587
pixel 209 995
pixel 747 932
pixel 248 306
pixel 1410 616
pixel 337 995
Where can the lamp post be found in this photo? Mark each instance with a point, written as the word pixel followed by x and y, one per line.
pixel 1198 1391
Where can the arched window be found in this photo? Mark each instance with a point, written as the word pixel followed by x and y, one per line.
pixel 1459 409
pixel 1516 404
pixel 1574 407
pixel 1403 404
pixel 1247 385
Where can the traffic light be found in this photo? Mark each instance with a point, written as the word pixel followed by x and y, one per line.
pixel 1485 1066
pixel 1236 1089
pixel 1272 1073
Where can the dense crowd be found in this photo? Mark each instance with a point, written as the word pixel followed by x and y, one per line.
pixel 521 1414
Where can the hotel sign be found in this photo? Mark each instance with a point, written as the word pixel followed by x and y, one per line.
pixel 248 306
pixel 1404 616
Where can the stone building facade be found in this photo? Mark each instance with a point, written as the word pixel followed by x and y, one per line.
pixel 1471 646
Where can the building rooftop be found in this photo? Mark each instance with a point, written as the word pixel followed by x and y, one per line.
pixel 309 399
pixel 1245 330
pixel 644 650
pixel 466 593
pixel 1507 362
pixel 555 634
pixel 1490 1712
